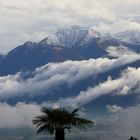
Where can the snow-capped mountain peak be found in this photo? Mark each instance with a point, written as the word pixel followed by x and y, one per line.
pixel 69 37
pixel 50 40
pixel 29 43
pixel 75 34
pixel 93 34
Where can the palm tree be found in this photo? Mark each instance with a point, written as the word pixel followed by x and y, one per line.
pixel 56 121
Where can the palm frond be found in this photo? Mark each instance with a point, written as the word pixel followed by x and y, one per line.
pixel 74 112
pixel 46 111
pixel 53 119
pixel 45 129
pixel 83 123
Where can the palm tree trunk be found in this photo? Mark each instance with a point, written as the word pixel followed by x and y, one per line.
pixel 59 134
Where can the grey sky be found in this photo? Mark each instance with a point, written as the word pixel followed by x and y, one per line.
pixel 21 21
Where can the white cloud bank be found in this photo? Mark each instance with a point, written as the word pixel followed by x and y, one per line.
pixel 52 75
pixel 127 82
pixel 119 51
pixel 20 115
pixel 114 108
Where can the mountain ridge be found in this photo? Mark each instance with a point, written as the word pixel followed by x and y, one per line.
pixel 74 43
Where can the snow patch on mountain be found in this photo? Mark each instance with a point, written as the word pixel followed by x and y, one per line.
pixel 69 37
pixel 75 36
pixel 29 43
pixel 50 40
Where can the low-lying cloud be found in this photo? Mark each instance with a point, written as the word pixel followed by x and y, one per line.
pixel 125 84
pixel 20 115
pixel 114 108
pixel 54 74
pixel 119 51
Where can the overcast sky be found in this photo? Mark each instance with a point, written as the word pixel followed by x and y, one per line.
pixel 34 19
